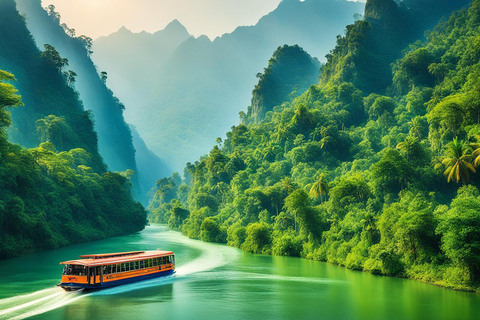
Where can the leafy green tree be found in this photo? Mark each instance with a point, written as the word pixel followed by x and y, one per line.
pixel 178 215
pixel 210 231
pixel 298 204
pixel 380 106
pixel 258 239
pixel 236 236
pixel 348 191
pixel 449 114
pixel 415 230
pixel 51 55
pixel 287 245
pixel 8 98
pixel 392 173
pixel 460 231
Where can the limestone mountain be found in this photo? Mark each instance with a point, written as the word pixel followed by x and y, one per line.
pixel 197 93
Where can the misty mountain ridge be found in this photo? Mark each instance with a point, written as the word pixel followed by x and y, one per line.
pixel 182 95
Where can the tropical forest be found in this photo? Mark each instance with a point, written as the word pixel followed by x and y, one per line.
pixel 373 167
pixel 282 159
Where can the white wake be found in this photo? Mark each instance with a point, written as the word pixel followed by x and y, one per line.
pixel 35 303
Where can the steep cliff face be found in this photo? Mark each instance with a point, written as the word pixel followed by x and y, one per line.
pixel 150 166
pixel 115 142
pixel 196 95
pixel 44 93
pixel 365 54
pixel 58 191
pixel 290 72
pixel 114 136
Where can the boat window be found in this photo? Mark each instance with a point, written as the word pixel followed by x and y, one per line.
pixel 123 267
pixel 109 269
pixel 132 265
pixel 141 264
pixel 74 270
pixel 155 262
pixel 65 269
pixel 137 265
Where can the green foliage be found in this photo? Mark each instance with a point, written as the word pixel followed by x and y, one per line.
pixel 210 231
pixel 351 171
pixel 52 56
pixel 290 72
pixel 460 231
pixel 258 238
pixel 287 245
pixel 52 198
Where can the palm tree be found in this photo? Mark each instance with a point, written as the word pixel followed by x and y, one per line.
pixel 316 134
pixel 416 128
pixel 327 138
pixel 476 151
pixel 288 185
pixel 303 118
pixel 407 146
pixel 282 132
pixel 269 154
pixel 458 162
pixel 319 188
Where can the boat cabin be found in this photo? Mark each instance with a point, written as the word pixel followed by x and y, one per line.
pixel 104 270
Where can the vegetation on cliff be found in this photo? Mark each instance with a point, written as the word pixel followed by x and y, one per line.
pixel 374 168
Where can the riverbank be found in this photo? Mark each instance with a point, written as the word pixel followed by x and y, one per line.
pixel 218 282
pixel 438 276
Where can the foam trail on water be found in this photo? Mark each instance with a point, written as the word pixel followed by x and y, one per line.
pixel 212 257
pixel 32 304
pixel 237 275
pixel 51 305
pixel 26 297
pixel 21 307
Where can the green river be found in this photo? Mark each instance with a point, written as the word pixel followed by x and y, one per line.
pixel 219 282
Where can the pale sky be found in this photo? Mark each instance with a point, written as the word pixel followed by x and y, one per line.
pixel 95 18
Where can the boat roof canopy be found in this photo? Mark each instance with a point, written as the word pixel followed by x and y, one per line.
pixel 91 260
pixel 110 255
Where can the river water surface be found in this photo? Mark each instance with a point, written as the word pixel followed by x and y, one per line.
pixel 219 282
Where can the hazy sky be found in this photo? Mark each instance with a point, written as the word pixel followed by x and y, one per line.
pixel 96 18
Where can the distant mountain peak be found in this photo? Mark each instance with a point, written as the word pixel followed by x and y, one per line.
pixel 175 26
pixel 203 38
pixel 123 29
